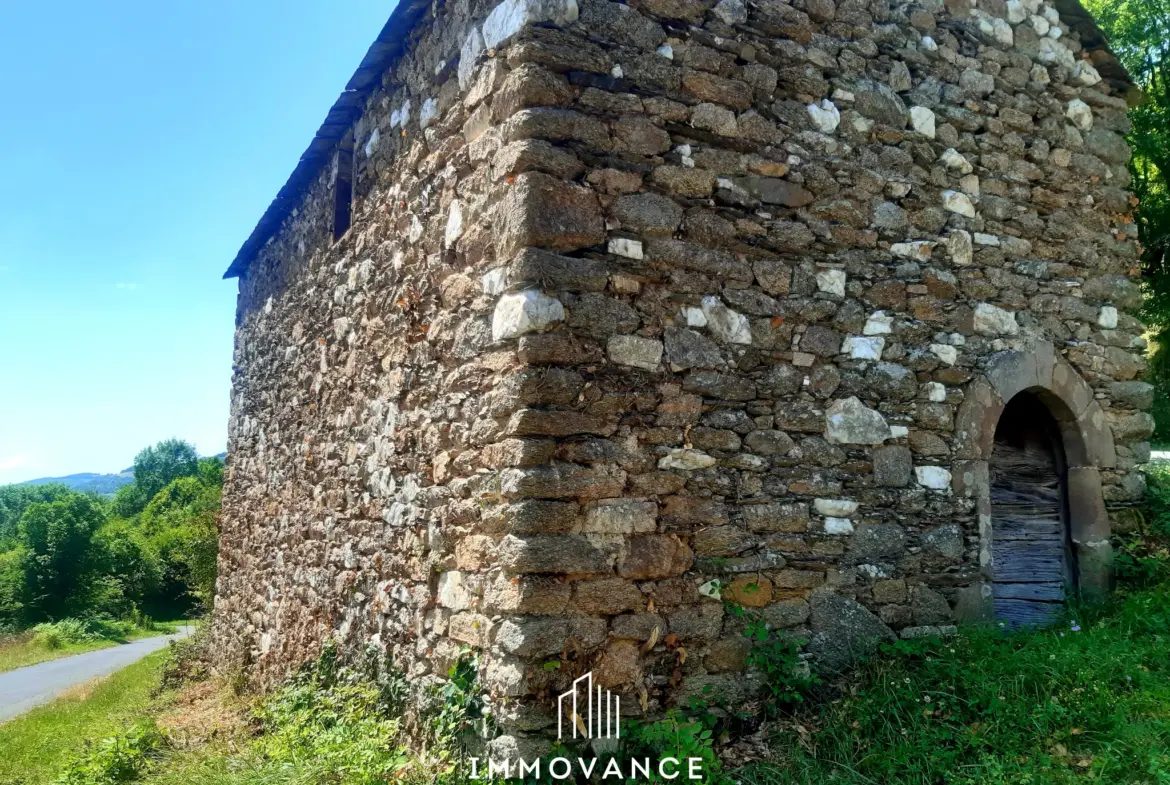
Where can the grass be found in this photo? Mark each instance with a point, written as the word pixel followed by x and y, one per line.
pixel 1088 701
pixel 23 649
pixel 35 747
pixel 1083 702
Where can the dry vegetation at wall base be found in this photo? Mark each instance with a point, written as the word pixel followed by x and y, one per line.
pixel 1088 701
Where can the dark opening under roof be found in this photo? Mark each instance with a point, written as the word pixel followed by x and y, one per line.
pixel 391 44
pixel 386 49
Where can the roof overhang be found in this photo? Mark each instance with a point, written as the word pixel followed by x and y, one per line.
pixel 385 51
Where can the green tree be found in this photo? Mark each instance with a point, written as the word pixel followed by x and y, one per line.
pixel 154 469
pixel 129 565
pixel 1139 34
pixel 15 499
pixel 181 522
pixel 59 563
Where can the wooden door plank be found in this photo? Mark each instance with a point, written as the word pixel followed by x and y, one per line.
pixel 1026 613
pixel 1047 592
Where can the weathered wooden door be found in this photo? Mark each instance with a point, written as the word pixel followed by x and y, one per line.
pixel 1031 553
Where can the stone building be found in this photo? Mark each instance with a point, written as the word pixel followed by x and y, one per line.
pixel 579 320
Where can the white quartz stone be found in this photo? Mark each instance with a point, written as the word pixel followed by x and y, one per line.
pixel 825 116
pixel 960 248
pixel 667 51
pixel 849 421
pixel 986 239
pixel 948 354
pixel 959 203
pixel 929 44
pixel 953 160
pixel 837 508
pixel 1053 52
pixel 838 526
pixel 879 324
pixel 469 56
pixel 400 116
pixel 1085 74
pixel 1107 319
pixel 899 431
pixel 922 121
pixel 864 348
pixel 454 228
pixel 453 592
pixel 919 250
pixel 997 28
pixel 509 18
pixel 525 312
pixel 934 477
pixel 622 246
pixel 934 392
pixel 372 144
pixel 1016 11
pixel 495 281
pixel 1039 24
pixel 713 589
pixel 694 317
pixel 831 280
pixel 428 113
pixel 725 323
pixel 992 321
pixel 686 460
pixel 1080 113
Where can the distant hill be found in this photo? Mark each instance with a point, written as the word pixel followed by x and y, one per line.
pixel 89 483
pixel 106 484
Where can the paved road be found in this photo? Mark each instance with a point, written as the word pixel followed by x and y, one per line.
pixel 26 688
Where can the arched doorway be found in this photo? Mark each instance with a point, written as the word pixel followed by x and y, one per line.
pixel 1034 562
pixel 1054 414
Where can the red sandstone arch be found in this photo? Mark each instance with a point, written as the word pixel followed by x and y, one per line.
pixel 1088 448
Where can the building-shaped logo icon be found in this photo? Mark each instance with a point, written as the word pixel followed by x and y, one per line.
pixel 594 714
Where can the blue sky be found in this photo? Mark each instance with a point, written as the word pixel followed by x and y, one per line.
pixel 141 143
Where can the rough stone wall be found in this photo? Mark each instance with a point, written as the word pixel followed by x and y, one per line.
pixel 651 306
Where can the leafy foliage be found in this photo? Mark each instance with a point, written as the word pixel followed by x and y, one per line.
pixel 15 499
pixel 460 712
pixel 787 678
pixel 1139 33
pixel 58 565
pixel 117 760
pixel 331 724
pixel 1142 553
pixel 153 550
pixel 679 736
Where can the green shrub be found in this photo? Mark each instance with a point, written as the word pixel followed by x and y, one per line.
pixel 120 759
pixel 681 736
pixel 331 724
pixel 57 635
pixel 1142 554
